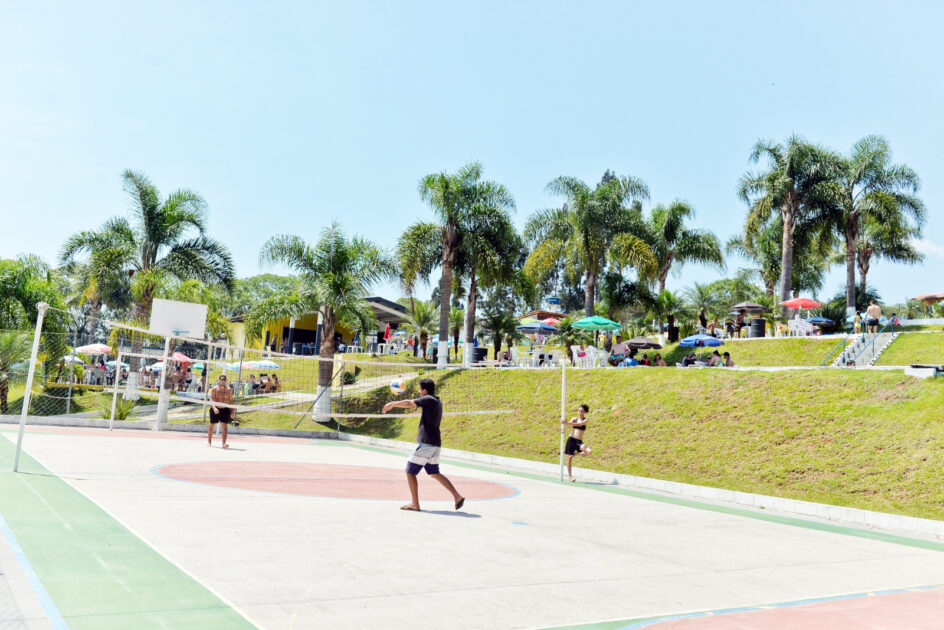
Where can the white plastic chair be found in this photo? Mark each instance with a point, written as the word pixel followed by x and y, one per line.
pixel 515 357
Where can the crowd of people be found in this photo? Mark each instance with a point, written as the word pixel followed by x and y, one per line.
pixel 624 355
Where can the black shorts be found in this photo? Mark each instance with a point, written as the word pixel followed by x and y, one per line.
pixel 573 446
pixel 873 322
pixel 223 415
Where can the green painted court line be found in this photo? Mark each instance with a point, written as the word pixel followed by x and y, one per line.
pixel 692 503
pixel 99 574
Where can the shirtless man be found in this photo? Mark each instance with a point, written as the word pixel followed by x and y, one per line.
pixel 575 445
pixel 221 393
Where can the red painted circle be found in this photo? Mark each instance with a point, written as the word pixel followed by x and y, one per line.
pixel 328 480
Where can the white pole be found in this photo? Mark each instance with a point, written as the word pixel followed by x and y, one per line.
pixel 42 307
pixel 162 394
pixel 563 416
pixel 114 395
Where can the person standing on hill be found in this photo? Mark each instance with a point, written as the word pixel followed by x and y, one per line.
pixel 429 444
pixel 874 311
pixel 575 445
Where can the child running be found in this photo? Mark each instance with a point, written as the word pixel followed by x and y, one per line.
pixel 429 443
pixel 575 445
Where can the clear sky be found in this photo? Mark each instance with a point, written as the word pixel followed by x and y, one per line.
pixel 287 115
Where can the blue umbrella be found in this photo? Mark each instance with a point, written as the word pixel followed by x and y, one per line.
pixel 699 341
pixel 539 328
pixel 266 364
pixel 820 320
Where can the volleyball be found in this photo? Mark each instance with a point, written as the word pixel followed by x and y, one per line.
pixel 397 387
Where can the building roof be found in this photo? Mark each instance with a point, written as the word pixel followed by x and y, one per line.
pixel 540 314
pixel 386 311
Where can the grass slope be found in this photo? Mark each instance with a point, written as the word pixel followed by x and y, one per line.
pixel 802 351
pixel 861 439
pixel 911 348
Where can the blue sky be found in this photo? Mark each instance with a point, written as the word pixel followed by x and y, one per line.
pixel 286 116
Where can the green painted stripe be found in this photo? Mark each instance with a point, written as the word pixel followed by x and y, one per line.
pixel 689 503
pixel 99 574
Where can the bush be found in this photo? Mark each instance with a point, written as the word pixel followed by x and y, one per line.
pixel 348 378
pixel 123 409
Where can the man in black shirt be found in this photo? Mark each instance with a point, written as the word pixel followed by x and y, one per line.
pixel 429 443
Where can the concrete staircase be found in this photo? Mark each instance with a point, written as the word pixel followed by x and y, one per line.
pixel 865 349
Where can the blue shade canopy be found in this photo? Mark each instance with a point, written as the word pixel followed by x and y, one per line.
pixel 820 320
pixel 539 328
pixel 700 341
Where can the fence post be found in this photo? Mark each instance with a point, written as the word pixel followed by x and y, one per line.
pixel 114 394
pixel 163 396
pixel 341 396
pixel 42 307
pixel 563 416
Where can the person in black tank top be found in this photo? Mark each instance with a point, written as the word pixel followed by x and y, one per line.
pixel 575 445
pixel 429 444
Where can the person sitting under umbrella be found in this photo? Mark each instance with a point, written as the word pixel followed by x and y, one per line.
pixel 715 359
pixel 619 351
pixel 727 360
pixel 658 361
pixel 689 360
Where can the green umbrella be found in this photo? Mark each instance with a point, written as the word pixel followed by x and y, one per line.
pixel 596 323
pixel 527 320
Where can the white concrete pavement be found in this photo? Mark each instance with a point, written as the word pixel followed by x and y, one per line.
pixel 554 554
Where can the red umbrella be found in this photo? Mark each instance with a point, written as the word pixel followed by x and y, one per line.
pixel 387 333
pixel 180 357
pixel 801 302
pixel 551 321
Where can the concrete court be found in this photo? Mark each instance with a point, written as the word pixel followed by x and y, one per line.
pixel 549 555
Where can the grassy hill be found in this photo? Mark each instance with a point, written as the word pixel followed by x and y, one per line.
pixel 863 439
pixel 911 348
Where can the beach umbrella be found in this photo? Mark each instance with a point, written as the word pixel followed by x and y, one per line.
pixel 800 302
pixel 825 321
pixel 235 366
pixel 750 307
pixel 157 367
pixel 265 364
pixel 73 359
pixel 551 321
pixel 596 322
pixel 700 341
pixel 94 348
pixel 536 327
pixel 198 366
pixel 112 364
pixel 643 343
pixel 527 320
pixel 180 357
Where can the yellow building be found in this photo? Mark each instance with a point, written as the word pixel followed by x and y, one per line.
pixel 302 335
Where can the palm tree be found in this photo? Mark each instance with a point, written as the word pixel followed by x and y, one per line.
pixel 704 301
pixel 593 227
pixel 499 324
pixel 888 239
pixel 418 252
pixel 456 319
pixel 797 186
pixel 14 351
pixel 880 197
pixel 24 282
pixel 335 274
pixel 456 199
pixel 666 308
pixel 422 323
pixel 674 243
pixel 164 239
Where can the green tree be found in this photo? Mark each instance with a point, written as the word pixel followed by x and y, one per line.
pixel 675 244
pixel 498 323
pixel 798 186
pixel 24 282
pixel 165 238
pixel 667 307
pixel 418 253
pixel 14 353
pixel 422 323
pixel 593 227
pixel 457 199
pixel 456 319
pixel 334 275
pixel 881 198
pixel 703 300
pixel 248 291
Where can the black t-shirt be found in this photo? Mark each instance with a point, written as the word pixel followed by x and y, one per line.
pixel 429 421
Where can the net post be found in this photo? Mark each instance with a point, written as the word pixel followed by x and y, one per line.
pixel 341 394
pixel 563 416
pixel 206 381
pixel 114 394
pixel 239 383
pixel 42 307
pixel 162 393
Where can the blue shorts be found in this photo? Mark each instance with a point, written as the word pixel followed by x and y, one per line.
pixel 424 456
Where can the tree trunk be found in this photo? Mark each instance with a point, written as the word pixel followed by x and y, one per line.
pixel 4 390
pixel 786 256
pixel 851 247
pixel 589 293
pixel 325 367
pixel 470 317
pixel 93 316
pixel 498 344
pixel 139 316
pixel 664 271
pixel 864 260
pixel 422 343
pixel 445 293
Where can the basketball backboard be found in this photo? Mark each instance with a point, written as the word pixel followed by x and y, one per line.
pixel 179 319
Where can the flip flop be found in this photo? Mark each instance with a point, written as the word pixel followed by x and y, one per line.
pixel 409 508
pixel 460 503
pixel 226 446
